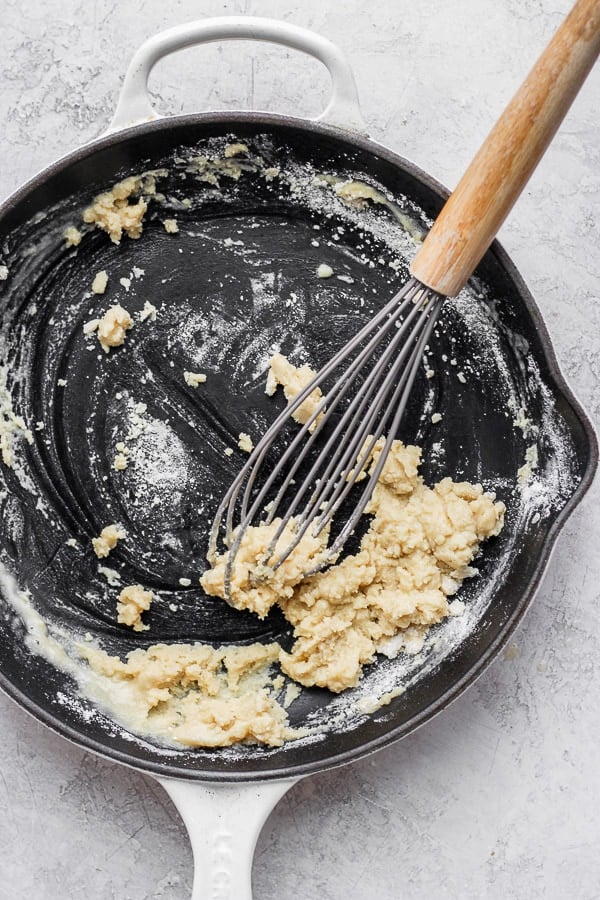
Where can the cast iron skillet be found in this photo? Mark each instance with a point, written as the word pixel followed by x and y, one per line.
pixel 227 308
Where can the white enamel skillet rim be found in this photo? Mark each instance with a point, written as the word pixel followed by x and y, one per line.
pixel 224 818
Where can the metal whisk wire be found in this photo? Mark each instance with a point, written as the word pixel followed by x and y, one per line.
pixel 318 418
pixel 349 459
pixel 376 407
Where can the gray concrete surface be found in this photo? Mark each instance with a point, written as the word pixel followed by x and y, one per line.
pixel 498 796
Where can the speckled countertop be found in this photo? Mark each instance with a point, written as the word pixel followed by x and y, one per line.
pixel 498 796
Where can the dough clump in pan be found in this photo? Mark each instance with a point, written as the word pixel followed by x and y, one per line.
pixel 120 210
pixel 107 540
pixel 100 282
pixel 196 695
pixel 115 212
pixel 415 554
pixel 112 327
pixel 133 601
pixel 293 380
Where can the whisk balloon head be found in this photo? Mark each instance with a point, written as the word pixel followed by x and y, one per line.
pixel 298 480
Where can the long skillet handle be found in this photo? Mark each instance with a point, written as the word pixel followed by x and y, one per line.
pixel 224 822
pixel 487 191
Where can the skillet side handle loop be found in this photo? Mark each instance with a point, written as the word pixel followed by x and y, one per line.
pixel 224 822
pixel 486 193
pixel 134 106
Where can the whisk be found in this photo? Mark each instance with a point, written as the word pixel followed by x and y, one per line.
pixel 373 374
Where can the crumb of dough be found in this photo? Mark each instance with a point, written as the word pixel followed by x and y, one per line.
pixel 293 380
pixel 235 150
pixel 324 271
pixel 228 451
pixel 436 417
pixel 456 608
pixel 171 226
pixel 211 170
pixel 61 382
pixel 112 327
pixel 107 540
pixel 194 378
pixel 72 236
pixel 414 555
pixel 133 601
pixel 149 311
pixel 6 450
pixel 196 695
pixel 90 327
pixel 271 172
pixel 245 442
pixel 520 419
pixel 356 193
pixel 371 703
pixel 100 281
pixel 531 462
pixel 114 213
pixel 120 462
pixel 185 582
pixel 11 425
pixel 3 273
pixel 292 692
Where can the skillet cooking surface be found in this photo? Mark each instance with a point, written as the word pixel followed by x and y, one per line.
pixel 237 283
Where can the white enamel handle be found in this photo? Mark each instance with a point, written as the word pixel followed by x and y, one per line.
pixel 134 104
pixel 224 822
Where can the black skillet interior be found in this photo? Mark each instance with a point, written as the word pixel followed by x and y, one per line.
pixel 223 306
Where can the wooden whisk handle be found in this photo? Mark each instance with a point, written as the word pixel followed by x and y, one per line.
pixel 487 191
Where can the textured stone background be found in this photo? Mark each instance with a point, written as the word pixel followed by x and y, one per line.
pixel 498 796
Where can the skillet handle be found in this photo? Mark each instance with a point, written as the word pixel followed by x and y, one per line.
pixel 224 822
pixel 134 106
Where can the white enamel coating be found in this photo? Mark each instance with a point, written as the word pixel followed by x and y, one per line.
pixel 134 106
pixel 224 822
